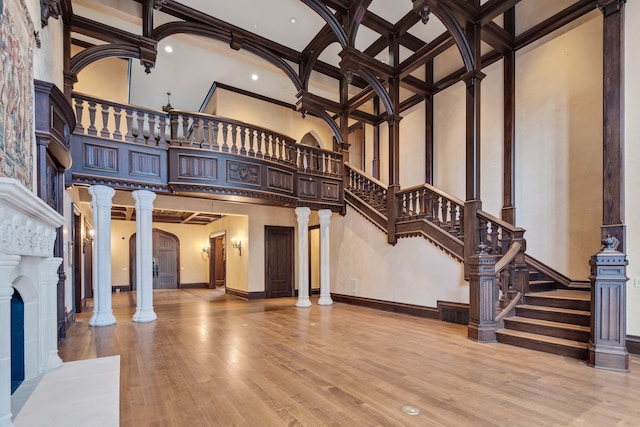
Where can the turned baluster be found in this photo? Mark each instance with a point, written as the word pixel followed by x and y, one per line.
pixel 152 129
pixel 436 209
pixel 274 147
pixel 214 137
pixel 140 119
pixel 185 129
pixel 494 238
pixel 452 215
pixel 173 122
pixel 79 109
pixel 92 119
pixel 129 121
pixel 234 146
pixel 243 135
pixel 482 229
pixel 205 133
pixel 117 114
pixel 162 129
pixel 260 140
pixel 252 152
pixel 225 134
pixel 195 132
pixel 104 132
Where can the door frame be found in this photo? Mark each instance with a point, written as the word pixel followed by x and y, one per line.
pixel 212 258
pixel 132 257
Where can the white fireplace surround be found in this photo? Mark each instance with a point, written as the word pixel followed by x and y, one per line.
pixel 27 266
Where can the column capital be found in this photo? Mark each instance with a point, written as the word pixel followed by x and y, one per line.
pixel 101 194
pixel 324 215
pixel 144 198
pixel 303 213
pixel 392 119
pixel 472 77
pixel 607 7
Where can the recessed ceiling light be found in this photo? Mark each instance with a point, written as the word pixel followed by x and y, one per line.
pixel 254 77
pixel 168 49
pixel 292 20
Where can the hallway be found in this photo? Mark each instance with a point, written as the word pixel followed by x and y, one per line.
pixel 212 359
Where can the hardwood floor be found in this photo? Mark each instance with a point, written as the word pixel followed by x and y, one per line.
pixel 216 360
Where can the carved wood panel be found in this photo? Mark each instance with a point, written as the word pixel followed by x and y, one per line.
pixel 100 158
pixel 307 187
pixel 330 191
pixel 280 180
pixel 198 167
pixel 243 173
pixel 144 164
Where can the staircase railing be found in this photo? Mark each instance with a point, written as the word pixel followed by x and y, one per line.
pixel 429 203
pixel 370 190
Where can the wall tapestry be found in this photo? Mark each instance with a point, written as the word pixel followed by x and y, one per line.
pixel 16 92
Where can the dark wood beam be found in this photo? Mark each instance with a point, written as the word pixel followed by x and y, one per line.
pixel 147 17
pixel 555 22
pixel 494 8
pixel 417 86
pixel 497 37
pixel 509 129
pixel 425 54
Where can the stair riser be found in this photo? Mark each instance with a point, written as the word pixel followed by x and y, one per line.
pixel 576 353
pixel 569 334
pixel 574 319
pixel 540 286
pixel 559 303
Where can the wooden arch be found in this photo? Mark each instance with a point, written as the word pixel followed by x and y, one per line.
pixel 95 53
pixel 199 29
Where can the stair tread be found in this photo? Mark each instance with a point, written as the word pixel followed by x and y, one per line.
pixel 551 323
pixel 555 309
pixel 562 294
pixel 544 338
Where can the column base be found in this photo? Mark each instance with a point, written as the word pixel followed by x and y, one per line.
pixel 611 359
pixel 303 302
pixel 484 333
pixel 325 300
pixel 147 315
pixel 102 319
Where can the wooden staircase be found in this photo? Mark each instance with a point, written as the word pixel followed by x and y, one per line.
pixel 553 321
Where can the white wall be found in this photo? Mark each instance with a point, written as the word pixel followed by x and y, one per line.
pixel 559 147
pixel 413 271
pixel 413 146
pixel 632 163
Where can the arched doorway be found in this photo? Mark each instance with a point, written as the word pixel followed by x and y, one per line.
pixel 17 341
pixel 166 260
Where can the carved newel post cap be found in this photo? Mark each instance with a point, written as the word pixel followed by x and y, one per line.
pixel 483 249
pixel 608 243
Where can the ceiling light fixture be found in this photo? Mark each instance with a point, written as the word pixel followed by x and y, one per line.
pixel 293 19
pixel 254 77
pixel 168 49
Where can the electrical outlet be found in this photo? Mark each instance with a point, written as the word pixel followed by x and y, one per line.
pixel 636 282
pixel 354 286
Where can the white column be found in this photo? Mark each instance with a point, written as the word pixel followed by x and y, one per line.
pixel 144 256
pixel 49 314
pixel 101 196
pixel 303 256
pixel 325 288
pixel 8 268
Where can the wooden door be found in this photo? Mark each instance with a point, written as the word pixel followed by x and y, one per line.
pixel 88 267
pixel 279 262
pixel 217 262
pixel 166 249
pixel 77 263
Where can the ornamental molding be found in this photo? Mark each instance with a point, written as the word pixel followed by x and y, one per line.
pixel 27 224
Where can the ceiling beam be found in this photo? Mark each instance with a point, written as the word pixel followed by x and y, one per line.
pixel 494 8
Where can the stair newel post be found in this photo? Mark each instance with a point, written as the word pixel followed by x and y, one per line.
pixel 521 271
pixel 482 297
pixel 607 343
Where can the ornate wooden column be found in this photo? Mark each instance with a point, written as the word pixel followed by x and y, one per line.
pixel 144 256
pixel 101 196
pixel 482 298
pixel 303 256
pixel 393 121
pixel 607 344
pixel 613 121
pixel 472 202
pixel 509 157
pixel 428 129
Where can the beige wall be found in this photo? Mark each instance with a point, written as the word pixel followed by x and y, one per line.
pixel 237 268
pixel 413 271
pixel 632 163
pixel 104 79
pixel 270 116
pixel 559 147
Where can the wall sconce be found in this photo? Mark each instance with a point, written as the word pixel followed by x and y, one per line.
pixel 206 249
pixel 237 244
pixel 88 239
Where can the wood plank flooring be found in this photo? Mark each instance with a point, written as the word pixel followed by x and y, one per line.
pixel 216 360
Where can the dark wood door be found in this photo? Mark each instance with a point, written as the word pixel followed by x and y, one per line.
pixel 279 262
pixel 88 267
pixel 77 263
pixel 165 260
pixel 217 263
